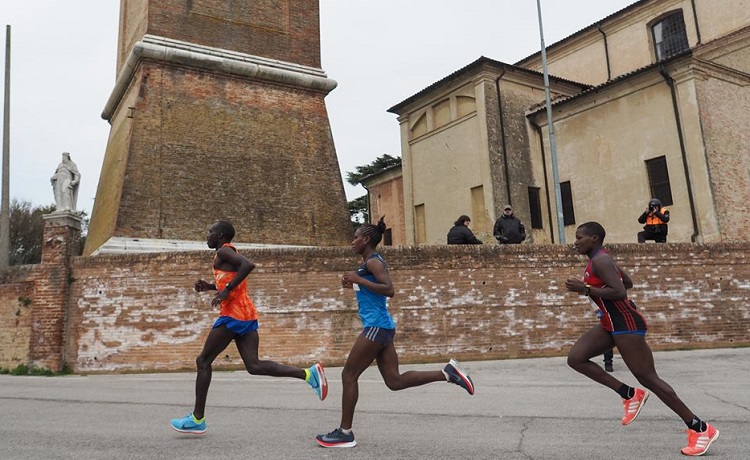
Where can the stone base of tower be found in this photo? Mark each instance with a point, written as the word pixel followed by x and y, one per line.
pixel 200 136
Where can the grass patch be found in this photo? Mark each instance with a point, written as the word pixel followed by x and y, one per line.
pixel 23 369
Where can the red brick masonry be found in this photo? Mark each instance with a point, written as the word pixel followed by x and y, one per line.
pixel 140 313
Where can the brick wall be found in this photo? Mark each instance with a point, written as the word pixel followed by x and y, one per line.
pixel 139 312
pixel 15 314
pixel 34 299
pixel 189 145
pixel 726 142
pixel 205 146
pixel 288 30
pixel 387 200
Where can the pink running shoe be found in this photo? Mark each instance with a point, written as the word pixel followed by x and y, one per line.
pixel 698 443
pixel 634 405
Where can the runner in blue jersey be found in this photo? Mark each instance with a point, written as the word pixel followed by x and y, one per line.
pixel 373 286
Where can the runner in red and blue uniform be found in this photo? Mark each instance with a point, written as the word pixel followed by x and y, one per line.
pixel 621 325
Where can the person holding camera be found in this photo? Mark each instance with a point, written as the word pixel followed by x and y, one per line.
pixel 655 218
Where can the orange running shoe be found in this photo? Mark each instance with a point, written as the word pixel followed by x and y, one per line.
pixel 634 405
pixel 698 443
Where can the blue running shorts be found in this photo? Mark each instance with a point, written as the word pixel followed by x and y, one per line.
pixel 235 325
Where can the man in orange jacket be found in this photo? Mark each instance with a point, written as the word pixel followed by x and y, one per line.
pixel 655 218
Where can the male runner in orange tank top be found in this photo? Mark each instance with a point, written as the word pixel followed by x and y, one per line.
pixel 238 321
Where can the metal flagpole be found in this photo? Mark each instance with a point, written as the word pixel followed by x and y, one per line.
pixel 5 207
pixel 551 130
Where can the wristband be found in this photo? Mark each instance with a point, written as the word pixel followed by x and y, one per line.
pixel 587 290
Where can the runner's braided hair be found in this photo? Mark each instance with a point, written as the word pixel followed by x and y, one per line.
pixel 374 232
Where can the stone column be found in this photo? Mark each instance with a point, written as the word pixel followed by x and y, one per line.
pixel 50 309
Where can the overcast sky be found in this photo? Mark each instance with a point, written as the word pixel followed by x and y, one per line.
pixel 379 51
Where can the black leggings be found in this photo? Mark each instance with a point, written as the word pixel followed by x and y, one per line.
pixel 657 237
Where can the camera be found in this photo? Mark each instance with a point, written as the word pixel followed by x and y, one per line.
pixel 651 208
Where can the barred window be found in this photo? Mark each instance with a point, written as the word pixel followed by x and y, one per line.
pixel 670 37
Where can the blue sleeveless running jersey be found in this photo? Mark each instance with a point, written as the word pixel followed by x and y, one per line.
pixel 373 308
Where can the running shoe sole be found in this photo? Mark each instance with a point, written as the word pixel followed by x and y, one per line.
pixel 180 430
pixel 710 441
pixel 336 444
pixel 322 381
pixel 466 382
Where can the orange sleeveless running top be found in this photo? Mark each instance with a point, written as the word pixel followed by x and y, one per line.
pixel 238 304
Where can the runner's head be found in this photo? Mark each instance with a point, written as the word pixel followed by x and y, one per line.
pixel 220 232
pixel 368 235
pixel 589 236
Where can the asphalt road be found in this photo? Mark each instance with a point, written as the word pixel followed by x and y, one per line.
pixel 523 409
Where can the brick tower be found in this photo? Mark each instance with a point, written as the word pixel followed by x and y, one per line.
pixel 218 112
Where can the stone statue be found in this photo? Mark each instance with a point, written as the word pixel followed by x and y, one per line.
pixel 65 184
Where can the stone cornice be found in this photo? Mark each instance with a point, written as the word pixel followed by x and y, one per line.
pixel 218 60
pixel 724 45
pixel 715 70
pixel 125 245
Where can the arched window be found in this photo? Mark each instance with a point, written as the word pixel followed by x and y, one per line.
pixel 670 37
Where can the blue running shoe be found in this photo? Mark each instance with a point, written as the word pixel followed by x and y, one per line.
pixel 455 374
pixel 318 381
pixel 189 424
pixel 336 438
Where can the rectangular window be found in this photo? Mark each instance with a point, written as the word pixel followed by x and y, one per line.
pixel 388 237
pixel 566 196
pixel 658 180
pixel 535 207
